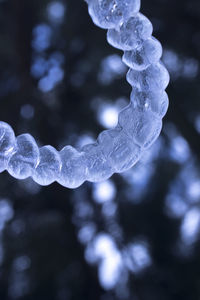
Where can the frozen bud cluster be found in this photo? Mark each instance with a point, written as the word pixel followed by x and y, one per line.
pixel 139 124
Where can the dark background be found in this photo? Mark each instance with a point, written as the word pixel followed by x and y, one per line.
pixel 137 235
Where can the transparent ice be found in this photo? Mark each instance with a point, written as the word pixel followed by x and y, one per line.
pixel 139 124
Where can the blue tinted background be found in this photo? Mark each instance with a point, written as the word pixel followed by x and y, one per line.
pixel 137 235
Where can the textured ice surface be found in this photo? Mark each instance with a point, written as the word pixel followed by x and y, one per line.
pixel 139 124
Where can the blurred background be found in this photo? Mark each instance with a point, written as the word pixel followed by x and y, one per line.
pixel 137 235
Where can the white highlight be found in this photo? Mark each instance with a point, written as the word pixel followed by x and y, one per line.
pixel 104 191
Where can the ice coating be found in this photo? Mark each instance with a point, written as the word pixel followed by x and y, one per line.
pixel 139 124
